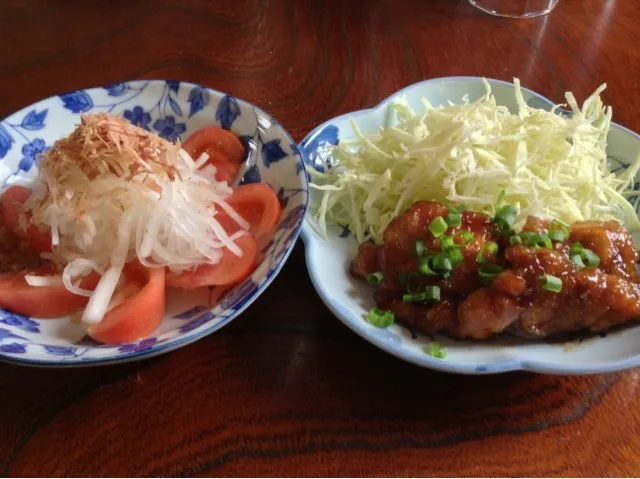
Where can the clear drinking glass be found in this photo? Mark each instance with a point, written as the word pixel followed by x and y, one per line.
pixel 515 8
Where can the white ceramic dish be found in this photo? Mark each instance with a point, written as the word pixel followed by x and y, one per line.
pixel 328 260
pixel 173 110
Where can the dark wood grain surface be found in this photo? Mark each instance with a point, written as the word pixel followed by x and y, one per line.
pixel 286 389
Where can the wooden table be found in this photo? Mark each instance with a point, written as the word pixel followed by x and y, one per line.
pixel 286 389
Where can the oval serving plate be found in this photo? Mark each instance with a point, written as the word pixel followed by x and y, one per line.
pixel 173 110
pixel 328 259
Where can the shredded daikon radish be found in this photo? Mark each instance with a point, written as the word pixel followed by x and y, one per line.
pixel 552 166
pixel 36 280
pixel 112 192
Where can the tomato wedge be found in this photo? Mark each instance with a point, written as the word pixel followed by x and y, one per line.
pixel 10 211
pixel 258 205
pixel 225 151
pixel 229 270
pixel 43 302
pixel 139 314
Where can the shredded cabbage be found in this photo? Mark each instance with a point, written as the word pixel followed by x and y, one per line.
pixel 550 165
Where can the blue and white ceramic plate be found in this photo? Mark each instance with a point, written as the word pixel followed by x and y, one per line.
pixel 328 260
pixel 173 110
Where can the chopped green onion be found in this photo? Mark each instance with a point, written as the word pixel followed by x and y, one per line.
pixel 438 227
pixel 539 241
pixel 557 236
pixel 577 260
pixel 491 247
pixel 419 247
pixel 441 263
pixel 446 242
pixel 506 216
pixel 434 349
pixel 375 278
pixel 591 259
pixel 559 231
pixel 515 239
pixel 576 248
pixel 551 283
pixel 467 237
pixel 488 272
pixel 425 267
pixel 431 293
pixel 380 318
pixel 454 219
pixel 525 235
pixel 588 257
pixel 455 256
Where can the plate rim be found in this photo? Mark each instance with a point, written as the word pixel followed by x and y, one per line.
pixel 357 325
pixel 182 340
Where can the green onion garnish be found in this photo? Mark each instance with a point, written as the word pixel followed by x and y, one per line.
pixel 577 260
pixel 446 242
pixel 557 236
pixel 454 219
pixel 506 216
pixel 525 235
pixel 434 349
pixel 431 293
pixel 551 283
pixel 588 257
pixel 591 259
pixel 576 248
pixel 466 236
pixel 559 231
pixel 515 239
pixel 455 256
pixel 380 318
pixel 438 227
pixel 425 267
pixel 491 248
pixel 539 241
pixel 441 263
pixel 488 272
pixel 375 278
pixel 560 223
pixel 419 247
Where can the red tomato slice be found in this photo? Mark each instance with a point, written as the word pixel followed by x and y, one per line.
pixel 230 269
pixel 258 205
pixel 139 314
pixel 10 211
pixel 225 150
pixel 19 297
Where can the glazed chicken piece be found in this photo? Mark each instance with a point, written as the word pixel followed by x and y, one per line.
pixel 397 255
pixel 592 299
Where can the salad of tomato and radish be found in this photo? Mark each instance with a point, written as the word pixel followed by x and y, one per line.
pixel 118 214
